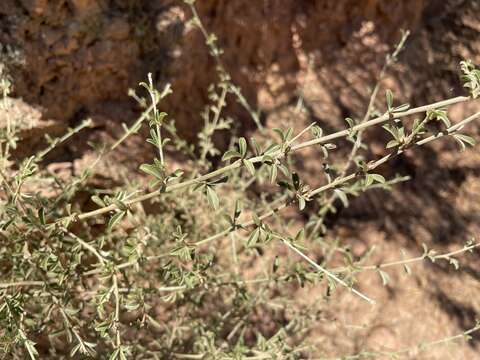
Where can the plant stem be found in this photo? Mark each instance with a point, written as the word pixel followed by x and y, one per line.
pixel 339 181
pixel 237 164
pixel 326 272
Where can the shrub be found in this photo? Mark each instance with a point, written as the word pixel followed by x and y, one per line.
pixel 119 282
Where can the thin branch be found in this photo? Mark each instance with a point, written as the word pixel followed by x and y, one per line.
pixel 326 272
pixel 84 124
pixel 337 182
pixel 117 309
pixel 446 256
pixel 333 184
pixel 87 246
pixel 215 51
pixel 358 269
pixel 21 284
pixel 237 164
pixel 358 140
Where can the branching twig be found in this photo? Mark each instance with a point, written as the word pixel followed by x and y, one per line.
pixel 338 181
pixel 237 164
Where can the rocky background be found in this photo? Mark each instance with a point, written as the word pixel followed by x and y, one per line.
pixel 79 57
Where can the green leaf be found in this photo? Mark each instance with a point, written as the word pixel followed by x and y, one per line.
pixel 439 115
pixel 249 165
pixel 392 144
pixel 161 116
pixel 242 146
pixel 464 139
pixel 120 204
pixel 115 219
pixel 177 173
pixel 285 171
pixel 96 199
pixel 342 196
pixel 271 149
pixel 75 349
pixel 256 220
pixel 368 180
pixel 401 108
pixel 41 215
pixel 384 276
pixel 85 348
pixel 273 173
pixel 276 264
pixel 253 238
pixel 155 140
pixel 317 131
pixel 301 203
pixel 454 262
pixel 389 96
pixel 300 235
pixel 183 253
pixel 231 154
pixel 279 133
pixel 378 178
pixel 324 152
pixel 470 78
pixel 115 354
pixel 30 346
pixel 288 134
pixel 446 121
pixel 257 148
pixel 267 159
pixel 350 122
pixel 123 355
pixel 393 131
pixel 330 146
pixel 212 197
pixel 229 220
pixel 152 170
pixel 238 209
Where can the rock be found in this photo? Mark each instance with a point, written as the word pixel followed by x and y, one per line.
pixel 79 54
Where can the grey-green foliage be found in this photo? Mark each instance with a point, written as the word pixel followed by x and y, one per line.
pixel 471 78
pixel 122 281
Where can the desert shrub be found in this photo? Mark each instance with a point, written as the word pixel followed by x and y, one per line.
pixel 174 280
